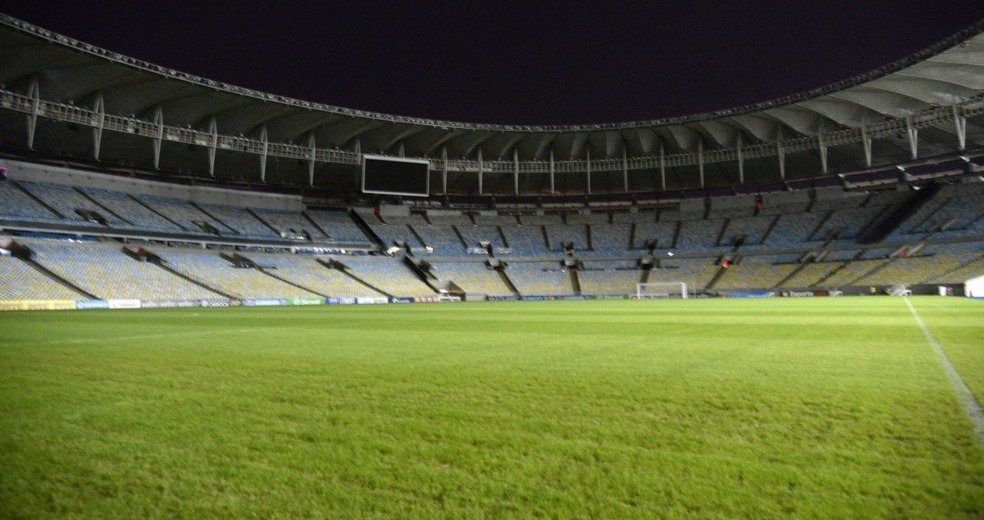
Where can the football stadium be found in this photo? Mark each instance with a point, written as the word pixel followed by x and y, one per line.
pixel 219 302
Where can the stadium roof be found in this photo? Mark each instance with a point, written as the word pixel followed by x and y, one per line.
pixel 69 99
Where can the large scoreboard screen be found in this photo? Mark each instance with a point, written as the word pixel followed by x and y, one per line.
pixel 395 176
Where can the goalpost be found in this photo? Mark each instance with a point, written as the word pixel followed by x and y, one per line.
pixel 652 290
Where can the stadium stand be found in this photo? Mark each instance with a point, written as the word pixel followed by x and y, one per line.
pixel 18 205
pixel 475 235
pixel 663 234
pixel 797 246
pixel 104 271
pixel 443 240
pixel 269 217
pixel 338 225
pixel 608 277
pixel 539 278
pixel 22 282
pixel 239 220
pixel 290 224
pixel 71 204
pixel 388 275
pixel 609 240
pixel 699 235
pixel 808 275
pixel 697 273
pixel 393 234
pixel 754 273
pixel 185 214
pixel 526 241
pixel 472 277
pixel 213 270
pixel 560 234
pixel 138 215
pixel 306 271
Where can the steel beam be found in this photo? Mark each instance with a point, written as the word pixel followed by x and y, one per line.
pixel 99 107
pixel 158 135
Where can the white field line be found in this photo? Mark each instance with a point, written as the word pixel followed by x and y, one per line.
pixel 137 337
pixel 973 408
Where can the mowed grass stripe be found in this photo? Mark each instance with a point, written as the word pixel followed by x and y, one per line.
pixel 566 409
pixel 958 324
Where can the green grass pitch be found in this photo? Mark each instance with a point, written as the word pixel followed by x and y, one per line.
pixel 812 408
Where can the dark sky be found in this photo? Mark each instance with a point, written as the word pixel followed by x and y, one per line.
pixel 529 62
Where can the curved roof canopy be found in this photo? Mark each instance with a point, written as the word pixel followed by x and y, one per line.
pixel 83 102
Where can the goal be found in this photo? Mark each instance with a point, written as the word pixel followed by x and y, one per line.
pixel 653 290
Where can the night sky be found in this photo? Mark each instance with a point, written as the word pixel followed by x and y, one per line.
pixel 530 62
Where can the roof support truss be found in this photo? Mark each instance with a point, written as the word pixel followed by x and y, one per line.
pixel 625 169
pixel 99 107
pixel 822 144
pixel 662 164
pixel 781 152
pixel 553 172
pixel 312 145
pixel 587 183
pixel 866 141
pixel 34 92
pixel 158 135
pixel 264 139
pixel 913 134
pixel 961 126
pixel 213 144
pixel 516 171
pixel 741 159
pixel 700 160
pixel 152 127
pixel 444 169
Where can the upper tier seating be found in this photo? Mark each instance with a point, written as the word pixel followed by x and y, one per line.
pixel 392 234
pixel 526 241
pixel 475 235
pixel 662 232
pixel 17 205
pixel 286 222
pixel 559 234
pixel 339 226
pixel 68 202
pixel 138 215
pixel 609 240
pixel 240 221
pixel 443 240
pixel 185 214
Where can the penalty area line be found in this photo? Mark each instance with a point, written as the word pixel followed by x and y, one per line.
pixel 973 408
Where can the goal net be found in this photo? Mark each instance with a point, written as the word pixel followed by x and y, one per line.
pixel 653 290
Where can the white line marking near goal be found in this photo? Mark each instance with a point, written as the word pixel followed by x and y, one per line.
pixel 973 408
